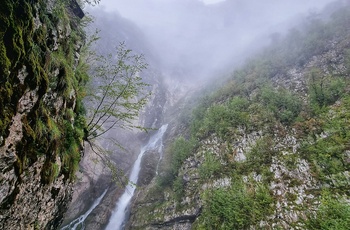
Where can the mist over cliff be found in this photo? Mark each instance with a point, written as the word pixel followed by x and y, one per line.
pixel 192 39
pixel 248 128
pixel 251 99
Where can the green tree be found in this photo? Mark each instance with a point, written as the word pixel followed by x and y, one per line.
pixel 117 93
pixel 180 150
pixel 324 89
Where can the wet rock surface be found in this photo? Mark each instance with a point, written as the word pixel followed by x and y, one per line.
pixel 148 168
pixel 26 201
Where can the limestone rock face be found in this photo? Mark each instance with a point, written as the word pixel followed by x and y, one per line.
pixel 149 167
pixel 85 190
pixel 34 191
pixel 28 204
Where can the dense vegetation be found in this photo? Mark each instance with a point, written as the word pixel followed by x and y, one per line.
pixel 54 127
pixel 256 98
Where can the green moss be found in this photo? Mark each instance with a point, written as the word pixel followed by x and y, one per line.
pixel 49 172
pixel 14 25
pixel 6 93
pixel 4 60
pixel 40 36
pixel 14 44
pixel 70 151
pixel 9 90
pixel 47 132
pixel 41 129
pixel 69 114
pixel 6 14
pixel 37 76
pixel 28 129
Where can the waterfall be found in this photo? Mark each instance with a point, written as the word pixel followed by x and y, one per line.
pixel 79 222
pixel 117 220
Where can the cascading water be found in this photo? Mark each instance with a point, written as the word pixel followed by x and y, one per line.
pixel 78 223
pixel 117 220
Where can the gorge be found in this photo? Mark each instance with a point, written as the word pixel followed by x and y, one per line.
pixel 117 220
pixel 247 120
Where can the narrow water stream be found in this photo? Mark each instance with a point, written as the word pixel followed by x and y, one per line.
pixel 117 220
pixel 78 223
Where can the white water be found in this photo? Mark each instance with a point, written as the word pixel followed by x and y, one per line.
pixel 117 219
pixel 79 222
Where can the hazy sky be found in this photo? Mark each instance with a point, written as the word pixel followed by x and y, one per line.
pixel 141 10
pixel 212 1
pixel 196 36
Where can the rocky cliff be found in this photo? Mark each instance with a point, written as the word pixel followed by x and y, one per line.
pixel 41 119
pixel 269 149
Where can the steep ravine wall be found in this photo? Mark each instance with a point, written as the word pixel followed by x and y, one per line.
pixel 40 104
pixel 272 156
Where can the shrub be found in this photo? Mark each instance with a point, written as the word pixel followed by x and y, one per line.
pixel 209 167
pixel 323 90
pixel 222 118
pixel 333 214
pixel 180 150
pixel 260 154
pixel 285 106
pixel 178 188
pixel 235 208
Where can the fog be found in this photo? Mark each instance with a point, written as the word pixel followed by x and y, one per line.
pixel 194 39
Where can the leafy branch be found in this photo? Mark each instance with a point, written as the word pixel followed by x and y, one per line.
pixel 117 93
